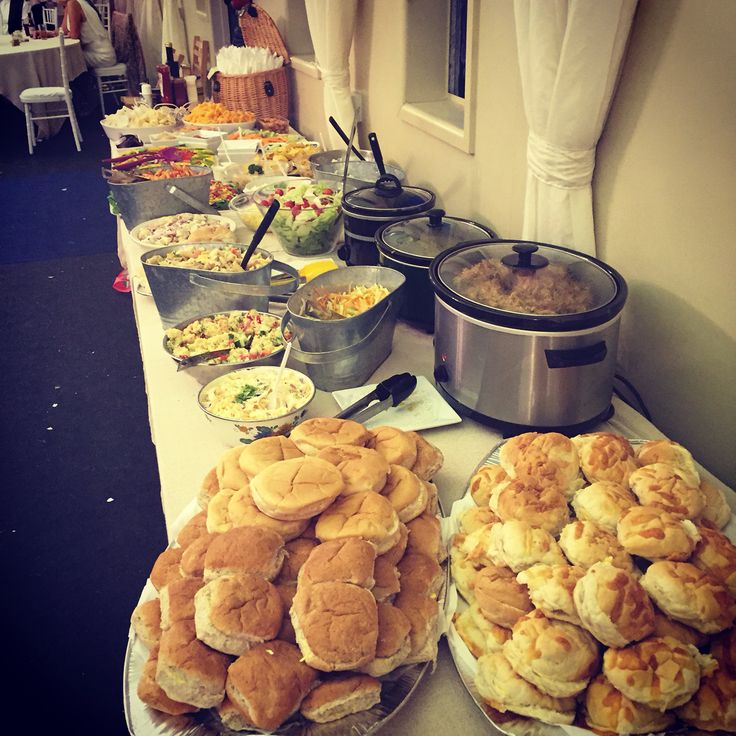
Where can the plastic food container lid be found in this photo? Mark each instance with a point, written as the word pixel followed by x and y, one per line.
pixel 388 198
pixel 417 240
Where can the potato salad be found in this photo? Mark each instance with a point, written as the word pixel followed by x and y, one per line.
pixel 207 259
pixel 184 228
pixel 250 335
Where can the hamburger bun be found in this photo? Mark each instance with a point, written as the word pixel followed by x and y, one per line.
pixel 406 492
pixel 348 560
pixel 394 643
pixel 420 573
pixel 341 696
pixel 287 593
pixel 423 613
pixel 362 469
pixel 429 457
pixel 166 567
pixel 394 553
pixel 425 536
pixel 218 514
pixel 151 693
pixel 603 503
pixel 245 549
pixel 229 474
pixel 243 511
pixel 313 435
pixel 297 552
pixel 208 488
pixel 386 578
pixel 656 534
pixel 397 446
pixel 192 530
pixel 192 559
pixel 336 625
pixel 261 453
pixel 146 622
pixel 605 456
pixel 296 489
pixel 232 717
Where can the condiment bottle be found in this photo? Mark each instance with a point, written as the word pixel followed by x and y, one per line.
pixel 164 83
pixel 180 91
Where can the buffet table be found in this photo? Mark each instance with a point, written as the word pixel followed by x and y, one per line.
pixel 187 449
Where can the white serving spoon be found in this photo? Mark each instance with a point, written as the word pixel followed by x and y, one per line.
pixel 277 382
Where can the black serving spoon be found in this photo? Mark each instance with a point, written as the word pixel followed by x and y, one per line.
pixel 345 138
pixel 377 155
pixel 260 232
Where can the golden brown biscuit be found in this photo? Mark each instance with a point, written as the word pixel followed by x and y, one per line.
pixel 313 435
pixel 605 456
pixel 192 559
pixel 716 510
pixel 603 502
pixel 469 631
pixel 551 589
pixel 670 453
pixel 194 528
pixel 501 688
pixel 609 710
pixel 522 499
pixel 559 658
pixel 486 478
pixel 666 487
pixel 429 457
pixel 690 595
pixel 585 543
pixel 494 636
pixel 362 469
pixel 656 534
pixel 229 474
pixel 151 693
pixel 502 599
pixel 659 672
pixel 713 707
pixel 475 518
pixel 242 511
pixel 166 567
pixel 613 606
pixel 406 492
pixel 341 696
pixel 717 555
pixel 397 446
pixel 261 453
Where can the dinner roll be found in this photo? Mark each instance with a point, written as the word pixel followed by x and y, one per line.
pixel 313 435
pixel 242 510
pixel 670 453
pixel 494 636
pixel 406 492
pixel 420 573
pixel 386 577
pixel 336 625
pixel 151 693
pixel 605 456
pixel 287 591
pixel 656 534
pixel 665 487
pixel 518 545
pixel 218 513
pixel 394 553
pixel 608 709
pixel 177 600
pixel 716 510
pixel 397 446
pixel 192 530
pixel 500 687
pixel 348 560
pixel 501 598
pixel 690 595
pixel 551 589
pixel 659 672
pixel 192 559
pixel 665 626
pixel 208 488
pixel 340 696
pixel 146 622
pixel 229 474
pixel 362 469
pixel 585 543
pixel 166 567
pixel 189 671
pixel 613 606
pixel 425 536
pixel 261 453
pixel 423 613
pixel 546 460
pixel 245 549
pixel 713 707
pixel 297 489
pixel 603 502
pixel 232 717
pixel 367 515
pixel 717 555
pixel 524 499
pixel 394 643
pixel 429 457
pixel 485 479
pixel 234 612
pixel 268 683
pixel 559 658
pixel 297 552
pixel 475 518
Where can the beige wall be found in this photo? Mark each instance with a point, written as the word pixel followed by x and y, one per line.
pixel 663 189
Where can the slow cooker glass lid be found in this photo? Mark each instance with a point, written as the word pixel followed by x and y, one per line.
pixel 557 282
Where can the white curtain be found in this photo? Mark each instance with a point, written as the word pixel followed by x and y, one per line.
pixel 147 18
pixel 570 53
pixel 331 25
pixel 174 29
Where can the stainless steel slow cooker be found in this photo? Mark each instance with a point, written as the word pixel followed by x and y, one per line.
pixel 526 334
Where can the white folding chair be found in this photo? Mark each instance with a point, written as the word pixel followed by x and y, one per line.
pixel 45 95
pixel 111 80
pixel 50 18
pixel 103 8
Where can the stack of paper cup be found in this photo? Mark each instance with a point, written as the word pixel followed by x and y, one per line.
pixel 191 81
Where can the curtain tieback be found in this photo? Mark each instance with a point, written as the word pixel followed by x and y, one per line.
pixel 559 167
pixel 332 78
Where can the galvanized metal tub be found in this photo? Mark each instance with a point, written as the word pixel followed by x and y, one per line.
pixel 344 353
pixel 181 293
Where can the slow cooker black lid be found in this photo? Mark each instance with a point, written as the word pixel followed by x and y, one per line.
pixel 387 197
pixel 609 286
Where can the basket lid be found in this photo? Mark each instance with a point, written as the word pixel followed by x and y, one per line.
pixel 259 29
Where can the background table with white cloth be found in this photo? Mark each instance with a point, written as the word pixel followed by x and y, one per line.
pixel 36 63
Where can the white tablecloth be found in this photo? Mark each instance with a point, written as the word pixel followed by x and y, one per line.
pixel 186 449
pixel 36 63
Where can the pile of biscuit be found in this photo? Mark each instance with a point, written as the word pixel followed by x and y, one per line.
pixel 600 590
pixel 312 570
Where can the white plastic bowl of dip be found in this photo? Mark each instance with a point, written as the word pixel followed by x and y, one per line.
pixel 238 404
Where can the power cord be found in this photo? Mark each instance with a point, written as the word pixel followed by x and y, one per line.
pixel 641 407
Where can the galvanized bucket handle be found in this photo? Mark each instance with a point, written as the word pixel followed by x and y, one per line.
pixel 251 289
pixel 332 356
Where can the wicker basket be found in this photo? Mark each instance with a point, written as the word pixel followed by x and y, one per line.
pixel 264 93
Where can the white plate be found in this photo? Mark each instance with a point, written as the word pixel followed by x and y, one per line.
pixel 424 409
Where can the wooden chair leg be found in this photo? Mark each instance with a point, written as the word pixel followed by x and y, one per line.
pixel 74 124
pixel 29 127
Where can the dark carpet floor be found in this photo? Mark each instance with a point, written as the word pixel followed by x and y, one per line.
pixel 82 520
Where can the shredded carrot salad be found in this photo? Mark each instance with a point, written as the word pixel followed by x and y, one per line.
pixel 349 303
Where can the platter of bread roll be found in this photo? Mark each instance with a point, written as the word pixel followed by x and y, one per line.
pixel 594 588
pixel 303 592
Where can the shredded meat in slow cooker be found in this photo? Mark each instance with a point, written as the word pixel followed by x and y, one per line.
pixel 549 290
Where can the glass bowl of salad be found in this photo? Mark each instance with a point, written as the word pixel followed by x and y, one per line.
pixel 307 224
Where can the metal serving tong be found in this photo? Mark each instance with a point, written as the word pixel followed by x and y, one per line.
pixel 386 394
